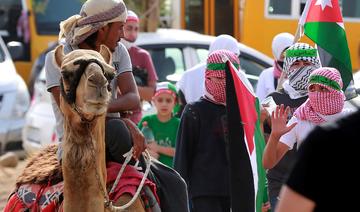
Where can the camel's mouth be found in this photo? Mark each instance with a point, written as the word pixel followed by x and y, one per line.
pixel 97 106
pixel 93 107
pixel 97 103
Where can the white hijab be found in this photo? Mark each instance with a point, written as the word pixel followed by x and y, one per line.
pixel 281 42
pixel 225 42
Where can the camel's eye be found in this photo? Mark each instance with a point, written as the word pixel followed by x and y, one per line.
pixel 109 75
pixel 68 76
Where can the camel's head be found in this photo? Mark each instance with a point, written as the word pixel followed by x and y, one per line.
pixel 85 81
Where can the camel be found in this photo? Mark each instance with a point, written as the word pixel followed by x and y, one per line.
pixel 85 94
pixel 84 102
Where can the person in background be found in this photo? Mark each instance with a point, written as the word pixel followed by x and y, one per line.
pixel 191 85
pixel 322 177
pixel 142 64
pixel 163 124
pixel 325 104
pixel 201 157
pixel 268 79
pixel 300 60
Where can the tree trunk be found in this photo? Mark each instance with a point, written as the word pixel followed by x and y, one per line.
pixel 152 12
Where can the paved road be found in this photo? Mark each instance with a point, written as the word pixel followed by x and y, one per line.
pixel 7 181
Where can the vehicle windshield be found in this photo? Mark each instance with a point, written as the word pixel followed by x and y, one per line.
pixel 49 13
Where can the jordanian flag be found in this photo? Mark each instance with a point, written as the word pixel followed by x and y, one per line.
pixel 323 23
pixel 246 144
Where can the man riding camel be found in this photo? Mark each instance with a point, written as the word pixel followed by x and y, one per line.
pixel 99 22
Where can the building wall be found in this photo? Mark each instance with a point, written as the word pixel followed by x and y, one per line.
pixel 257 27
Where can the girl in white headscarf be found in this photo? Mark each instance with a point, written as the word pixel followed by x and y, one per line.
pixel 269 77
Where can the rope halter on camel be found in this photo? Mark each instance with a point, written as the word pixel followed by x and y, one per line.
pixel 128 156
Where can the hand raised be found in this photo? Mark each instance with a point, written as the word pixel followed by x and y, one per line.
pixel 279 120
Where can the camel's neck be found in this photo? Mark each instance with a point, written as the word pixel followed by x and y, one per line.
pixel 83 165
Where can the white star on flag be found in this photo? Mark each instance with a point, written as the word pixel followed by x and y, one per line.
pixel 323 3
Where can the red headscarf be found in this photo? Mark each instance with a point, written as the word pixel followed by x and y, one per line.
pixel 323 103
pixel 215 67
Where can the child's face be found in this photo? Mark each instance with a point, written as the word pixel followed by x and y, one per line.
pixel 164 103
pixel 318 88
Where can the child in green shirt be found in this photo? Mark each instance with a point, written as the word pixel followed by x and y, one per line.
pixel 163 124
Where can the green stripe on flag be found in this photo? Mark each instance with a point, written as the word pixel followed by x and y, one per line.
pixel 262 193
pixel 332 38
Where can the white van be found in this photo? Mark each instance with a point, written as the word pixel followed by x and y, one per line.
pixel 14 100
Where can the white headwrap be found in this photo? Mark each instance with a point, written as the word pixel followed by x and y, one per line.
pixel 226 42
pixel 281 42
pixel 132 16
pixel 94 15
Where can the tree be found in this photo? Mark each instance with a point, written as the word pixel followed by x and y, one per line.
pixel 149 12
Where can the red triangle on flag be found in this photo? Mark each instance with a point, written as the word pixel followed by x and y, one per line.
pixel 329 14
pixel 246 104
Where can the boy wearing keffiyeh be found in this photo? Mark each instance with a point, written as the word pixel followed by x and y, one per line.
pixel 325 103
pixel 200 156
pixel 300 60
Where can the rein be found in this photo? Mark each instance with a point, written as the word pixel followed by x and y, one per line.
pixel 107 202
pixel 128 157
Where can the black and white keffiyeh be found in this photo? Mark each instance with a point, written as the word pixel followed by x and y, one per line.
pixel 297 83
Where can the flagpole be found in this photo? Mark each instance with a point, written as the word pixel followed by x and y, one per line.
pixel 300 29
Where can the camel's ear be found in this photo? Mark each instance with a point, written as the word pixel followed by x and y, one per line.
pixel 106 53
pixel 59 55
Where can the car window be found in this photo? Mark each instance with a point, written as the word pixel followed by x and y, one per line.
pixel 252 67
pixel 168 62
pixel 2 55
pixel 202 54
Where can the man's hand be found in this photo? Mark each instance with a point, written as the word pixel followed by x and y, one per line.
pixel 263 115
pixel 265 207
pixel 154 154
pixel 137 138
pixel 279 120
pixel 153 146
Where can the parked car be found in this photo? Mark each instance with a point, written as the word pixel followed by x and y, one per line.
pixel 173 51
pixel 39 129
pixel 14 100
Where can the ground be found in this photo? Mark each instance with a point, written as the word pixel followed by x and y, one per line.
pixel 7 181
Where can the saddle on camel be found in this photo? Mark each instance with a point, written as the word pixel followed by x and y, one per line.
pixel 82 181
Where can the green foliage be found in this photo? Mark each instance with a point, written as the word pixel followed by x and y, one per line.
pixel 39 6
pixel 139 6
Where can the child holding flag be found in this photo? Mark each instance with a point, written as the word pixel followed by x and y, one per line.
pixel 202 156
